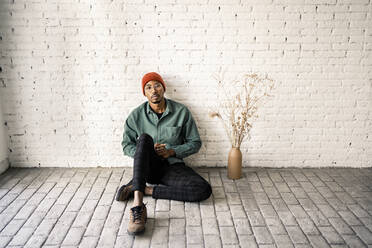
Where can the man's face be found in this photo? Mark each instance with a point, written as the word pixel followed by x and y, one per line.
pixel 154 91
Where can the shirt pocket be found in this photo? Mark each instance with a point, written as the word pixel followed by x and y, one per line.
pixel 172 135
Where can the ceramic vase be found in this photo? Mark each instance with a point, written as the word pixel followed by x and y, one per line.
pixel 234 166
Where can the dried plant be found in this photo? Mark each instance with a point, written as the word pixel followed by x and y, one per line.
pixel 238 101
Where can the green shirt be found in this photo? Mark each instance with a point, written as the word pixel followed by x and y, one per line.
pixel 176 128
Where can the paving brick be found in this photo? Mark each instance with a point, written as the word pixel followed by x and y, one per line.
pixel 296 234
pixel 212 241
pixel 75 204
pixel 328 211
pixel 221 205
pixel 36 241
pixel 176 241
pixel 326 192
pixel 192 213
pixel 247 241
pixel 317 198
pixel 261 198
pixel 289 198
pixel 318 218
pixel 124 241
pixel 279 205
pixel 207 211
pixel 287 218
pixel 307 204
pixel 12 228
pixel 162 205
pixel 108 237
pixel 194 235
pixel 358 211
pixel 266 182
pixel 262 235
pixel 88 242
pixel 363 233
pixel 74 236
pixel 178 211
pixel 242 226
pixel 228 235
pixel 337 204
pixel 4 240
pixel 275 226
pixel 297 211
pixel 237 211
pixel 224 219
pixel 350 218
pixel 282 187
pixel 268 211
pixel 161 218
pixel 250 204
pixel 95 227
pixel 218 192
pixel 335 187
pixel 318 241
pixel 330 234
pixel 255 218
pixel 60 229
pixel 353 241
pixel 210 226
pixel 215 181
pixel 22 236
pixel 340 226
pixel 307 226
pixel 282 241
pixel 272 192
pixel 230 187
pixel 233 199
pixel 177 226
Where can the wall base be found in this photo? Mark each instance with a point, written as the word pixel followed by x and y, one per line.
pixel 4 165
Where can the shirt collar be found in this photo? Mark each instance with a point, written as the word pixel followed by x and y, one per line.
pixel 168 108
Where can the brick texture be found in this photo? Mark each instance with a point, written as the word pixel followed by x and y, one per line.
pixel 70 74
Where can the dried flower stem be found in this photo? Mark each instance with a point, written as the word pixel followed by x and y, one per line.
pixel 238 102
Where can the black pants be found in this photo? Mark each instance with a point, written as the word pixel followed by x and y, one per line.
pixel 176 182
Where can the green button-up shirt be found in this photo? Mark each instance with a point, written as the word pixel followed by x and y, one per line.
pixel 176 128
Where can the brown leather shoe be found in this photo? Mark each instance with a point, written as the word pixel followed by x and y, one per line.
pixel 125 192
pixel 137 221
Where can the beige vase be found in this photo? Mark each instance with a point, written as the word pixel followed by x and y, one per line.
pixel 234 166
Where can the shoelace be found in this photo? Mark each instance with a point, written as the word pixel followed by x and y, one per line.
pixel 137 213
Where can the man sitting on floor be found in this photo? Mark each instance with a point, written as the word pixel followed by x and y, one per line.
pixel 158 135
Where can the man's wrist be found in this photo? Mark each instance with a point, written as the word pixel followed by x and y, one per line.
pixel 172 153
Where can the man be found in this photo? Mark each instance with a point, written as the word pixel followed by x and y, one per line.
pixel 158 135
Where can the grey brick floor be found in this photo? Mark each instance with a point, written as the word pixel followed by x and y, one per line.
pixel 56 207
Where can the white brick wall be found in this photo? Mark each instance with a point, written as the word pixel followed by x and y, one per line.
pixel 70 75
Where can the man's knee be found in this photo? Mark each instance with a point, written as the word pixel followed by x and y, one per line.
pixel 144 137
pixel 202 192
pixel 145 140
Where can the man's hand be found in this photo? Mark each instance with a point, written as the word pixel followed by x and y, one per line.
pixel 162 151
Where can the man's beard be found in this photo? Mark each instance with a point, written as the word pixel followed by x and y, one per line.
pixel 157 102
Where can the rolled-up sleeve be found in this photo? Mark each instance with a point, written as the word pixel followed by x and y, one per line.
pixel 129 138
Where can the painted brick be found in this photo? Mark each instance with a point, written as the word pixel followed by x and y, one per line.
pixel 75 68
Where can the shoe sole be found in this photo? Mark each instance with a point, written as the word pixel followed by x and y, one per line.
pixel 136 233
pixel 120 193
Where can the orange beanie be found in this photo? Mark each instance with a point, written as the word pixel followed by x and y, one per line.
pixel 149 77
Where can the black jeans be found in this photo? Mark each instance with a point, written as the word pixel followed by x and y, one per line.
pixel 176 182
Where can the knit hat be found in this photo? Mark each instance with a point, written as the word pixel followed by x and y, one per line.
pixel 149 77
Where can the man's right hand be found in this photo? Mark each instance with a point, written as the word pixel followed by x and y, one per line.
pixel 162 151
